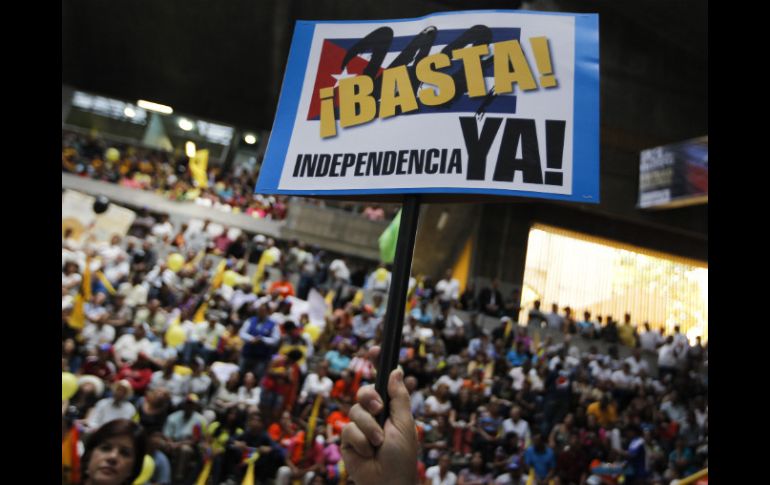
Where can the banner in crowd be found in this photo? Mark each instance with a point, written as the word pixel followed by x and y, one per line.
pixel 78 215
pixel 485 102
pixel 674 175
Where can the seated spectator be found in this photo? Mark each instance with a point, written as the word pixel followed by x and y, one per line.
pixel 115 407
pixel 183 430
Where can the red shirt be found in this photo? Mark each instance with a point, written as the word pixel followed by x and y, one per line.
pixel 139 378
pixel 342 390
pixel 103 370
pixel 337 420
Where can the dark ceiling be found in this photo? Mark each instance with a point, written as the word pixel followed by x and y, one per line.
pixel 224 60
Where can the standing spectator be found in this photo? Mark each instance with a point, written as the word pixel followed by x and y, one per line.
pixel 541 458
pixel 650 339
pixel 555 321
pixel 261 336
pixel 627 333
pixel 668 358
pixel 448 290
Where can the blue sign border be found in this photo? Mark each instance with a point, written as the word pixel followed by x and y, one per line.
pixel 585 171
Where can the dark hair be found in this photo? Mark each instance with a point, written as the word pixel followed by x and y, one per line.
pixel 118 427
pixel 295 355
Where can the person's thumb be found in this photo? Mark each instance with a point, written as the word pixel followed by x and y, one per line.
pixel 400 404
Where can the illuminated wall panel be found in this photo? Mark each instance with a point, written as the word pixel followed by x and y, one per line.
pixel 610 278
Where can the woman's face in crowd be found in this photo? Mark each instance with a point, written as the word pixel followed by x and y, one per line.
pixel 112 461
pixel 249 380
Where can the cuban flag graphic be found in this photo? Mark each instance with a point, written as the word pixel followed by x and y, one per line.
pixel 331 71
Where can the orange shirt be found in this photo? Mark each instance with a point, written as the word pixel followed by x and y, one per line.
pixel 605 418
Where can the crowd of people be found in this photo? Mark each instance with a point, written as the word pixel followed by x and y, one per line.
pixel 209 367
pixel 169 175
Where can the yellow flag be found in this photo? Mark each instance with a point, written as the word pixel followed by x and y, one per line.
pixel 85 285
pixel 204 476
pixel 248 478
pixel 198 165
pixel 219 275
pixel 77 318
pixel 358 299
pixel 200 315
pixel 311 422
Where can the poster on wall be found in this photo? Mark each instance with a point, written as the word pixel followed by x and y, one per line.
pixel 499 103
pixel 674 175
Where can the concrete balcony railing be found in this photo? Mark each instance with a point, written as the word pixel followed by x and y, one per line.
pixel 329 228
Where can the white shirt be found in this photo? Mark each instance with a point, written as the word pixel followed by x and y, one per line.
pixel 249 397
pixel 637 366
pixel 434 475
pixel 365 328
pixel 110 253
pixel 162 353
pixel 448 289
pixel 73 279
pixel 682 345
pixel 601 373
pixel 417 402
pixel 521 428
pixel 554 320
pixel 223 370
pixel 453 385
pixel 622 380
pixel 191 330
pixel 127 348
pixel 340 270
pixel 315 385
pixel 433 405
pixel 650 340
pixel 506 479
pixel 199 385
pixel 452 325
pixel 105 411
pixel 667 356
pixel 95 336
pixel 162 229
pixel 176 385
pixel 207 336
pixel 135 295
pixel 535 380
pixel 241 298
pixel 117 271
pixel 94 312
pixel 517 374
